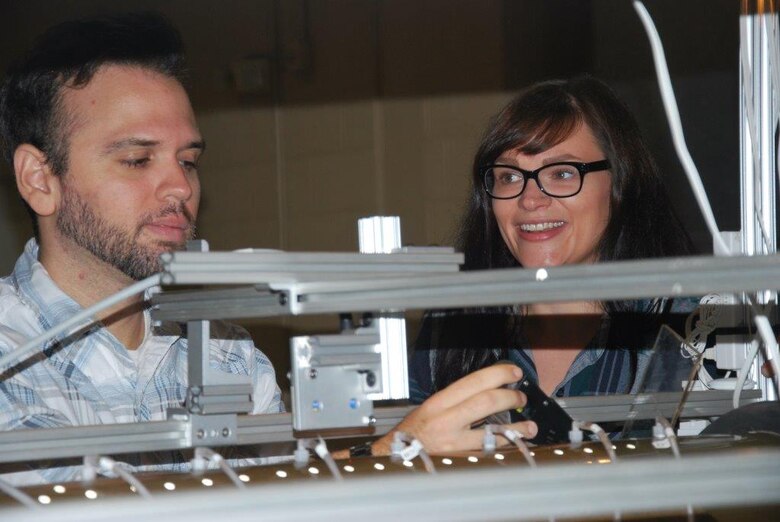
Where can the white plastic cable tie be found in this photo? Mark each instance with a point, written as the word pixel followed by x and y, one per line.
pixel 412 450
pixel 321 449
pixel 576 436
pixel 489 441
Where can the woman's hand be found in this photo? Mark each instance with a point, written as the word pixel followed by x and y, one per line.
pixel 443 422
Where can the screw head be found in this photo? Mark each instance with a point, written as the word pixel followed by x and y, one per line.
pixel 313 373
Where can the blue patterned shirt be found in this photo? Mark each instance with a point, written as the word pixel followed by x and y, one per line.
pixel 92 378
pixel 614 361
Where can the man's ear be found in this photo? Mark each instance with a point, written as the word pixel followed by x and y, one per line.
pixel 38 186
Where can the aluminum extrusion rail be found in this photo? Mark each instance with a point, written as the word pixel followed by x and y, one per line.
pixel 114 439
pixel 600 282
pixel 264 267
pixel 349 291
pixel 637 486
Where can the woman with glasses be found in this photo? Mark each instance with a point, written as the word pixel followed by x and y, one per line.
pixel 561 176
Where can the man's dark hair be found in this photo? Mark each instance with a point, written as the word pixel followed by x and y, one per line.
pixel 69 55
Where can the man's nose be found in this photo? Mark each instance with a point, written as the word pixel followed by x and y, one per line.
pixel 176 182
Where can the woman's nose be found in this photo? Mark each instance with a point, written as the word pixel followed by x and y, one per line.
pixel 533 197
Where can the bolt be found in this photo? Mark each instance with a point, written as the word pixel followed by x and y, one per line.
pixel 201 434
pixel 226 432
pixel 313 373
pixel 370 379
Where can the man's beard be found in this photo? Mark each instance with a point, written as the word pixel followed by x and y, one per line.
pixel 113 245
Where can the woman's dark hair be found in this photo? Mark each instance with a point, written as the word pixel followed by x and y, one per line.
pixel 69 55
pixel 642 223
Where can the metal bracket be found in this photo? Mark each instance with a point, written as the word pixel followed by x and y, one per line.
pixel 332 378
pixel 207 430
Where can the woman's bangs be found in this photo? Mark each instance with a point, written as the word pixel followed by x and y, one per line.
pixel 542 135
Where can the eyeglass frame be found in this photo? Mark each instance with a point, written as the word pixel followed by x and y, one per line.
pixel 582 168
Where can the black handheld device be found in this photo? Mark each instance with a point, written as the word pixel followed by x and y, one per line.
pixel 553 422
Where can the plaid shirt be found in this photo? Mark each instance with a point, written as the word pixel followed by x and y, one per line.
pixel 91 378
pixel 611 363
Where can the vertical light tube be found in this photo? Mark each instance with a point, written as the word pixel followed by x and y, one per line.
pixel 377 235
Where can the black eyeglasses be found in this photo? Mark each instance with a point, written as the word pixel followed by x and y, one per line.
pixel 559 180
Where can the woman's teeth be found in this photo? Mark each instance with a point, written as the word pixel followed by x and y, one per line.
pixel 540 227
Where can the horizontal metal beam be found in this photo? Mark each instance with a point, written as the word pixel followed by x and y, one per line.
pixel 79 441
pixel 637 486
pixel 114 439
pixel 274 266
pixel 690 276
pixel 206 305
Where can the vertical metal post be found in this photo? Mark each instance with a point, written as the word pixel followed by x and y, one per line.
pixel 382 234
pixel 758 120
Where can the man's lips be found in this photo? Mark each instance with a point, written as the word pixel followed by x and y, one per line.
pixel 171 229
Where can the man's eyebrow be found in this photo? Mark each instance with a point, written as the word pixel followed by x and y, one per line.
pixel 140 142
pixel 198 144
pixel 128 142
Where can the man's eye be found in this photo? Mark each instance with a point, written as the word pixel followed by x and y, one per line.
pixel 135 162
pixel 191 166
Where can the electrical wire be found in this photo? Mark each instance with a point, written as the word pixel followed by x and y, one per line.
pixel 109 465
pixel 207 454
pixel 321 449
pixel 38 342
pixel 673 115
pixel 708 314
pixel 665 430
pixel 400 451
pixel 516 438
pixel 675 125
pixel 600 434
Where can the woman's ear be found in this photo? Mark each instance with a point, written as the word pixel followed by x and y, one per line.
pixel 36 183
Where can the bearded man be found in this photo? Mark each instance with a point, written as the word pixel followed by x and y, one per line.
pixel 104 146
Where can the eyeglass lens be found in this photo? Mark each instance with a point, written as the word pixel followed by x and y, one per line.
pixel 555 180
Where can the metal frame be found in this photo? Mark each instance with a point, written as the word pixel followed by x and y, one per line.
pixel 636 486
pixel 175 434
pixel 688 276
pixel 758 156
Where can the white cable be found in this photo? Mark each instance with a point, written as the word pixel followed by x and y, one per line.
pixel 321 449
pixel 516 438
pixel 109 465
pixel 602 436
pixel 18 495
pixel 708 314
pixel 666 432
pixel 770 344
pixel 39 342
pixel 488 441
pixel 415 448
pixel 214 457
pixel 743 372
pixel 673 115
